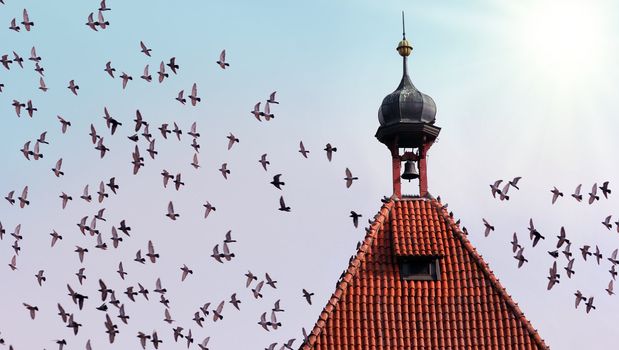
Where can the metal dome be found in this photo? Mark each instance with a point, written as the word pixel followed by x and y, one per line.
pixel 406 105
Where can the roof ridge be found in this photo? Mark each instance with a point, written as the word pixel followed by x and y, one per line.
pixel 485 268
pixel 351 271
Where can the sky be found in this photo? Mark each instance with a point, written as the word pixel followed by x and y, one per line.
pixel 522 89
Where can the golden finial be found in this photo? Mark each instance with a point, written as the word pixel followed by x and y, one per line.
pixel 404 47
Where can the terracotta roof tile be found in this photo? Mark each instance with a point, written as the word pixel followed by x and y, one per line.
pixel 374 308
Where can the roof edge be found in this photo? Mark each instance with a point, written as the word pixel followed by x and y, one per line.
pixel 353 267
pixel 485 268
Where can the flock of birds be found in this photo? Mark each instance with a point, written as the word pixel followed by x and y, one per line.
pixel 535 236
pixel 113 303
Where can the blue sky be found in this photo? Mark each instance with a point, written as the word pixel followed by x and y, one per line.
pixel 526 89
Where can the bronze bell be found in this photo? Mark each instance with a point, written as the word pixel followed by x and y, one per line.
pixel 410 171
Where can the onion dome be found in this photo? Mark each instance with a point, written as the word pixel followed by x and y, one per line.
pixel 406 104
pixel 407 115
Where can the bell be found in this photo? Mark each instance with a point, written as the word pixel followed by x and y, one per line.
pixel 410 171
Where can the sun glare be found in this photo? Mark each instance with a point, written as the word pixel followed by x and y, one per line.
pixel 563 40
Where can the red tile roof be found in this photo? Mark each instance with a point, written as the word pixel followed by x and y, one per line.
pixel 373 308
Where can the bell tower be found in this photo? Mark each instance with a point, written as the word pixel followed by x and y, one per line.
pixel 407 128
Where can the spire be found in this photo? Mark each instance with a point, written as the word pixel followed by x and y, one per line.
pixel 404 49
pixel 407 119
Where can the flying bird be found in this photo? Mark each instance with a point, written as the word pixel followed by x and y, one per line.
pixel 151 252
pixel 217 312
pixel 56 169
pixel 349 178
pixel 73 87
pixel 272 98
pixel 125 79
pixel 33 55
pixel 515 244
pixel 355 218
pixel 216 254
pixel 5 61
pixel 162 74
pixel 577 194
pixel 14 25
pixel 276 307
pixel 103 7
pixel 18 106
pixel 589 304
pixel 145 50
pixel 226 254
pixel 555 194
pixel 224 170
pixel 146 75
pixel 562 238
pixel 569 268
pixel 607 223
pixel 514 182
pixel 282 205
pixel 204 344
pixel 597 254
pixel 18 59
pixel 112 185
pixel 171 213
pixel 593 194
pixel 503 194
pixel 30 108
pixel 231 140
pixel 302 149
pixel 579 298
pixel 256 111
pixel 494 188
pixel 222 60
pixel 109 70
pixel 91 22
pixel 267 112
pixel 308 296
pixel 609 289
pixel 330 149
pixel 195 162
pixel 102 22
pixel 26 21
pixel 180 97
pixel 605 190
pixel 55 237
pixel 234 301
pixel 40 278
pixel 520 257
pixel 276 182
pixel 257 289
pixel 488 227
pixel 208 208
pixel 263 160
pixel 32 310
pixel 270 281
pixel 553 278
pixel 194 95
pixel 26 150
pixel 228 237
pixel 23 199
pixel 193 132
pixel 186 271
pixel 42 85
pixel 64 123
pixel 172 64
pixel 13 263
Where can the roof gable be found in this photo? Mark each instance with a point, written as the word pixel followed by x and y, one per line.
pixel 373 308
